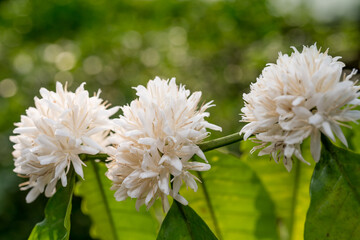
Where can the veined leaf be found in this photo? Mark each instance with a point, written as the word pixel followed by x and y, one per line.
pixel 232 200
pixel 182 223
pixel 289 191
pixel 335 196
pixel 56 224
pixel 112 220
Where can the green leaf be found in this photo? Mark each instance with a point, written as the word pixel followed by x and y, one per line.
pixel 335 196
pixel 182 223
pixel 232 200
pixel 112 220
pixel 56 224
pixel 289 191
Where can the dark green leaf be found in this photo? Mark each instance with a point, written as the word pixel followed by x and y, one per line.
pixel 182 223
pixel 335 196
pixel 113 220
pixel 232 200
pixel 56 224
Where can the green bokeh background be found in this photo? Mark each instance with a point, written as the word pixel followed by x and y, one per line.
pixel 218 47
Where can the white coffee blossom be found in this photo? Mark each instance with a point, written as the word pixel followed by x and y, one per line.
pixel 302 95
pixel 154 139
pixel 51 135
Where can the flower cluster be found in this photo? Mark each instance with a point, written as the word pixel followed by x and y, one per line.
pixel 154 140
pixel 52 134
pixel 151 145
pixel 302 95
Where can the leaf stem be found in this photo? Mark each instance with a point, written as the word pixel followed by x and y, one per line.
pixel 105 200
pixel 205 146
pixel 210 206
pixel 294 198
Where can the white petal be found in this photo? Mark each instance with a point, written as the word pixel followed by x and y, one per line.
pixel 298 100
pixel 197 166
pixel 62 132
pixel 177 184
pixel 164 158
pixel 176 163
pixel 91 143
pixel 121 194
pixel 26 130
pixel 353 115
pixel 212 126
pixel 43 140
pixel 60 167
pixel 149 174
pixel 297 153
pixel 297 136
pixel 289 150
pixel 201 154
pixel 32 195
pixel 151 194
pixel 50 188
pixel 147 141
pixel 315 145
pixel 164 184
pixel 89 150
pixel 138 203
pixel 78 167
pixel 327 130
pixel 338 132
pixel 165 203
pixel 288 164
pixel 133 133
pixel 316 119
pixel 302 112
pixel 47 159
pixel 190 182
pixel 63 179
pixel 355 101
pixel 181 199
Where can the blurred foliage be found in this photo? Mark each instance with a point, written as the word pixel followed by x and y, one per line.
pixel 289 191
pixel 218 47
pixel 233 200
pixel 111 219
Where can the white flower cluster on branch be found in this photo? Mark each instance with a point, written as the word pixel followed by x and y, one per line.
pixel 154 139
pixel 152 143
pixel 302 95
pixel 52 134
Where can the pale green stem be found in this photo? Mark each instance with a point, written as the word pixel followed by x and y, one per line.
pixel 205 146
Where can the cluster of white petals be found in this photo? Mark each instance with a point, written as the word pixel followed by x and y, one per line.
pixel 302 95
pixel 154 139
pixel 51 135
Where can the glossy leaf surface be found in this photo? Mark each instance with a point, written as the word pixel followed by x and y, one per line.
pixel 56 224
pixel 335 196
pixel 182 222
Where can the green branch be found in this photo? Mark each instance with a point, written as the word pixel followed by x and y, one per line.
pixel 220 142
pixel 99 156
pixel 205 146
